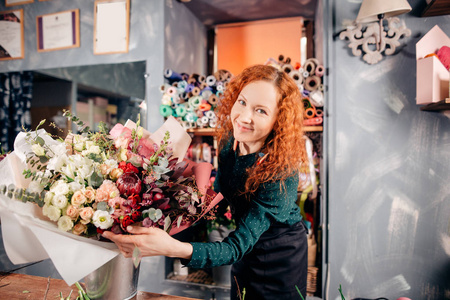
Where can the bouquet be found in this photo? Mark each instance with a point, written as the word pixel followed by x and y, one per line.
pixel 96 181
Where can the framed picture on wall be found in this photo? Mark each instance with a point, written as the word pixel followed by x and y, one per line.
pixel 17 2
pixel 58 30
pixel 111 26
pixel 11 35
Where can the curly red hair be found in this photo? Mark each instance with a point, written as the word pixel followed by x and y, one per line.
pixel 285 144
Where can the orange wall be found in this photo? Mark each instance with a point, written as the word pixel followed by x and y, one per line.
pixel 245 44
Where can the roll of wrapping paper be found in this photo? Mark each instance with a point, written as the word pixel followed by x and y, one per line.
pixel 316 98
pixel 206 152
pixel 310 113
pixel 320 70
pixel 211 80
pixel 313 121
pixel 309 67
pixel 287 68
pixel 312 83
pixel 189 88
pixel 298 78
pixel 165 110
pixel 204 106
pixel 172 76
pixel 180 110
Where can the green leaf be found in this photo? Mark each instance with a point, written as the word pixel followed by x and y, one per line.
pixel 25 292
pixel 95 180
pixel 40 141
pixel 43 159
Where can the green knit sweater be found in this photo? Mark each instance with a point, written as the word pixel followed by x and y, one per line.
pixel 269 205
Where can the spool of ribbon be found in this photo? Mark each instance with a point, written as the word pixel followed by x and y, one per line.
pixel 204 120
pixel 190 117
pixel 212 123
pixel 306 103
pixel 204 106
pixel 305 74
pixel 165 110
pixel 195 91
pixel 182 84
pixel 189 88
pixel 312 83
pixel 171 91
pixel 195 101
pixel 310 113
pixel 213 99
pixel 181 110
pixel 192 81
pixel 210 80
pixel 206 93
pixel 319 112
pixel 166 100
pixel 320 70
pixel 313 121
pixel 210 114
pixel 163 88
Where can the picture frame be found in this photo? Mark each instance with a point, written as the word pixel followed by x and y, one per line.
pixel 58 31
pixel 12 35
pixel 17 2
pixel 111 26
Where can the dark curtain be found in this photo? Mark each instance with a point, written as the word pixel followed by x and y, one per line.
pixel 16 89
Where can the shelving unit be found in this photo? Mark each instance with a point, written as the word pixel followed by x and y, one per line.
pixel 437 106
pixel 436 8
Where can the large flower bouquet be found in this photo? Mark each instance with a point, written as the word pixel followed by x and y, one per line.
pixel 96 181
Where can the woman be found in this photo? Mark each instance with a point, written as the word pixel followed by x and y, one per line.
pixel 261 149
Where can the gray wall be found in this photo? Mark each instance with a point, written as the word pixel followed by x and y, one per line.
pixel 388 163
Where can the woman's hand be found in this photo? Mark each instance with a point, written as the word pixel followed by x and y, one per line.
pixel 150 241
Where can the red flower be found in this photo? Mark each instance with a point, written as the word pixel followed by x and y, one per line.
pixel 126 221
pixel 100 231
pixel 128 167
pixel 129 184
pixel 228 215
pixel 136 215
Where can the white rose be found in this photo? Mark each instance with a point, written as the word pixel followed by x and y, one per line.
pixel 102 219
pixel 52 212
pixel 60 188
pixel 65 223
pixel 38 150
pixel 60 201
pixel 75 186
pixel 48 198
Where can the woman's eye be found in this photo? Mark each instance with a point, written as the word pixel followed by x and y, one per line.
pixel 261 111
pixel 241 102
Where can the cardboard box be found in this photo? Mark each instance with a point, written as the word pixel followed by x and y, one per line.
pixel 432 83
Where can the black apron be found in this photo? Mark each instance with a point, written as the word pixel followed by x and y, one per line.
pixel 277 263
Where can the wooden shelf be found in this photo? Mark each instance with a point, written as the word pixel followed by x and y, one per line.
pixel 212 131
pixel 437 8
pixel 437 106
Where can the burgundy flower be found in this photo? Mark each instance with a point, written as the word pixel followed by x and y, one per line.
pixel 129 184
pixel 135 215
pixel 126 221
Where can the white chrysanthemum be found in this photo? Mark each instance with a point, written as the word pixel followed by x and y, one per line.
pixel 60 201
pixel 102 219
pixel 60 187
pixel 65 223
pixel 52 212
pixel 38 150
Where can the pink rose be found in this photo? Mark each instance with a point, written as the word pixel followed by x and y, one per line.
pixel 86 214
pixel 78 198
pixel 89 193
pixel 72 211
pixel 79 228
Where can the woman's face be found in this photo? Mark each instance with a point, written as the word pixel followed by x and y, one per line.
pixel 254 113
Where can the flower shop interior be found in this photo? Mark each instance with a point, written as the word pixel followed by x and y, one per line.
pixel 378 199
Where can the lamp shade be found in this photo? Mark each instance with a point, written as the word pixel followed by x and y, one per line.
pixel 370 9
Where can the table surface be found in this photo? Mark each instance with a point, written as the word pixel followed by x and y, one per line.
pixel 20 286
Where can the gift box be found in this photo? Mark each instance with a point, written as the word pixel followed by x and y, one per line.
pixel 432 76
